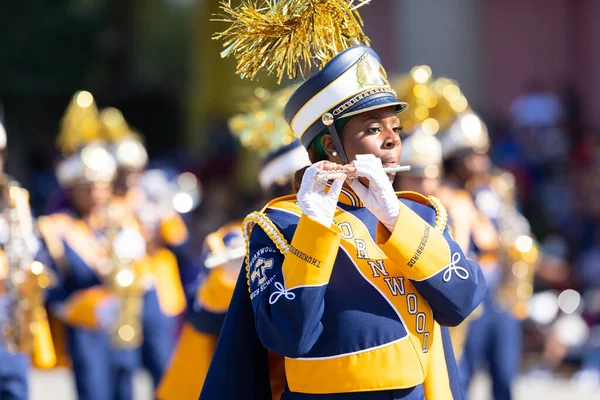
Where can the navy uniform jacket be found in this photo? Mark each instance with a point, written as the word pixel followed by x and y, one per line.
pixel 74 250
pixel 352 308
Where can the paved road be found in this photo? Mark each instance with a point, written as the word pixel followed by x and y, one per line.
pixel 57 385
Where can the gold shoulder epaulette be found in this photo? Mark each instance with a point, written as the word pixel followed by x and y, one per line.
pixel 441 218
pixel 260 219
pixel 414 196
pixel 50 227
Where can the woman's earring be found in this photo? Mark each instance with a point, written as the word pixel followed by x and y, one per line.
pixel 334 154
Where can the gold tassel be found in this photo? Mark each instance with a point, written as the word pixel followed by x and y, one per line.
pixel 262 127
pixel 286 37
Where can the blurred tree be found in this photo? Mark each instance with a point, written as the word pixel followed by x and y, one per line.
pixel 49 47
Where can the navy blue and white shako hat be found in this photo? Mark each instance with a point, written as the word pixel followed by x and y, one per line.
pixel 279 166
pixel 351 83
pixel 291 37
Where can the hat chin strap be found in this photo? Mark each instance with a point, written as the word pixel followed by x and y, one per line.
pixel 328 121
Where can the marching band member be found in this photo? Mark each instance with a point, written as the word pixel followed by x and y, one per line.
pixel 348 282
pixel 170 231
pixel 82 301
pixel 507 254
pixel 164 298
pixel 93 251
pixel 225 248
pixel 25 332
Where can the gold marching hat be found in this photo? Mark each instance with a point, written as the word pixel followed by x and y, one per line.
pixel 440 108
pixel 289 38
pixel 80 124
pixel 434 102
pixel 125 144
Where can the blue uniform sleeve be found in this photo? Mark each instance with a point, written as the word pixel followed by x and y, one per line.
pixel 191 270
pixel 452 284
pixel 288 292
pixel 455 291
pixel 211 302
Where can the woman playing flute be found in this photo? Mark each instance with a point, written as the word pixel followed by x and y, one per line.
pixel 350 283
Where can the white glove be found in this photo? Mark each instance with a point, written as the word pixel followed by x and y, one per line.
pixel 379 197
pixel 313 200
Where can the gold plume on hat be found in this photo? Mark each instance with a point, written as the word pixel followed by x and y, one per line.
pixel 287 37
pixel 434 103
pixel 261 127
pixel 114 128
pixel 80 124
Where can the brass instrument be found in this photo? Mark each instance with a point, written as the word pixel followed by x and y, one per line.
pixel 123 280
pixel 518 250
pixel 24 281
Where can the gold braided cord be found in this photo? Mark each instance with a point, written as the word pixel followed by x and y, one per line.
pixel 261 127
pixel 260 219
pixel 441 219
pixel 288 37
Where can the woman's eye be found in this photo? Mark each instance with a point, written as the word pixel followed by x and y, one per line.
pixel 398 130
pixel 374 130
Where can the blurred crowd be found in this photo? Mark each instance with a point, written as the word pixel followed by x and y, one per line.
pixel 545 145
pixel 553 155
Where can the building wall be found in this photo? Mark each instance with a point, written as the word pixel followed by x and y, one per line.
pixel 494 48
pixel 555 41
pixel 523 40
pixel 446 36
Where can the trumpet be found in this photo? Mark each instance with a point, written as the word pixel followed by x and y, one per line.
pixel 324 176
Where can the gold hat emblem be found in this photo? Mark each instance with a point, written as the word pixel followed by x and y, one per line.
pixel 370 73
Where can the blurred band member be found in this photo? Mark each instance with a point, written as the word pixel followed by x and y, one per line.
pixel 25 332
pixel 93 250
pixel 505 251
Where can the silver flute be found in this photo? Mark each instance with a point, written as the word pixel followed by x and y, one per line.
pixel 329 175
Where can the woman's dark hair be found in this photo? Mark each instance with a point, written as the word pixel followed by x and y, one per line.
pixel 453 165
pixel 316 152
pixel 278 190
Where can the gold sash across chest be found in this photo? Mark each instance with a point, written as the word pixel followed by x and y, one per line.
pixel 399 364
